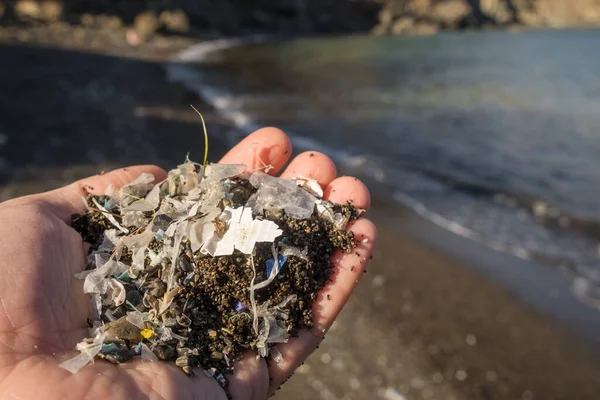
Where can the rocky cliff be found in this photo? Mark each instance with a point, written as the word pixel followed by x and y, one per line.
pixel 428 16
pixel 240 17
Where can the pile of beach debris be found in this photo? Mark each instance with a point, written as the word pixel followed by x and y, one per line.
pixel 210 263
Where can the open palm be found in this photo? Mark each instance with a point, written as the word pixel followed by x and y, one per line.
pixel 43 310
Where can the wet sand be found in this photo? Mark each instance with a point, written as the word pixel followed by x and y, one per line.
pixel 435 317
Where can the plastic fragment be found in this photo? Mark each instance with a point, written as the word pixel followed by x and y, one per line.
pixel 109 315
pixel 271 263
pixel 87 353
pixel 116 292
pixel 240 306
pixel 109 245
pixel 153 197
pixel 135 190
pixel 137 319
pixel 147 354
pixel 277 193
pixel 244 232
pixel 98 280
pixel 108 348
pixel 134 218
pixel 109 217
pixel 272 330
pixel 276 354
pixel 147 333
pixel 95 308
pixel 182 179
pixel 273 272
pixel 165 303
pixel 311 186
pixel 325 210
pixel 252 297
pixel 138 244
pixel 179 234
pixel 203 229
pixel 288 251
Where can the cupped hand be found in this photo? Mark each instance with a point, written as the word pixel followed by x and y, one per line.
pixel 43 310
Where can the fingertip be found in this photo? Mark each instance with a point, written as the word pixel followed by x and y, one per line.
pixel 348 189
pixel 266 149
pixel 312 165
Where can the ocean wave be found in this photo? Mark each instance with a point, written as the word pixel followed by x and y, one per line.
pixel 550 248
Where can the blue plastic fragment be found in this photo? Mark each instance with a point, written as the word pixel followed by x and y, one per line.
pixel 284 240
pixel 123 277
pixel 109 348
pixel 271 263
pixel 162 235
pixel 240 306
pixel 137 349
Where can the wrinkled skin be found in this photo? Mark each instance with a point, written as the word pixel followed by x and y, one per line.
pixel 43 309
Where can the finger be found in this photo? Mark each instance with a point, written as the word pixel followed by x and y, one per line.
pixel 67 200
pixel 312 165
pixel 348 189
pixel 267 150
pixel 346 272
pixel 250 379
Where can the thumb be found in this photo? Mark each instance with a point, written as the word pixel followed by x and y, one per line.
pixel 66 201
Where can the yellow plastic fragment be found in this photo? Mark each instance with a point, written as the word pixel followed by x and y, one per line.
pixel 147 333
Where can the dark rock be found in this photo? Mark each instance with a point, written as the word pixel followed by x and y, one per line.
pixel 175 21
pixel 122 329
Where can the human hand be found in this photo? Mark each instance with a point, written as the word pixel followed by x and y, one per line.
pixel 43 310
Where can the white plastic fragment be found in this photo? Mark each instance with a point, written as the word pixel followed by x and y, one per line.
pixel 287 251
pixel 156 258
pixel 178 237
pixel 325 210
pixel 135 190
pixel 134 218
pixel 311 186
pixel 98 280
pixel 183 179
pixel 203 229
pixel 153 197
pixel 277 193
pixel 110 242
pixel 136 318
pixel 167 299
pixel 273 273
pixel 147 354
pixel 110 315
pixel 276 354
pixel 95 307
pixel 109 217
pixel 272 329
pixel 116 292
pixel 219 172
pixel 88 352
pixel 138 245
pixel 244 232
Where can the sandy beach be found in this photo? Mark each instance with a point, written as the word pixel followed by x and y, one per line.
pixel 435 316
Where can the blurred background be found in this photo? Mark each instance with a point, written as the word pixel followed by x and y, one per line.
pixel 475 123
